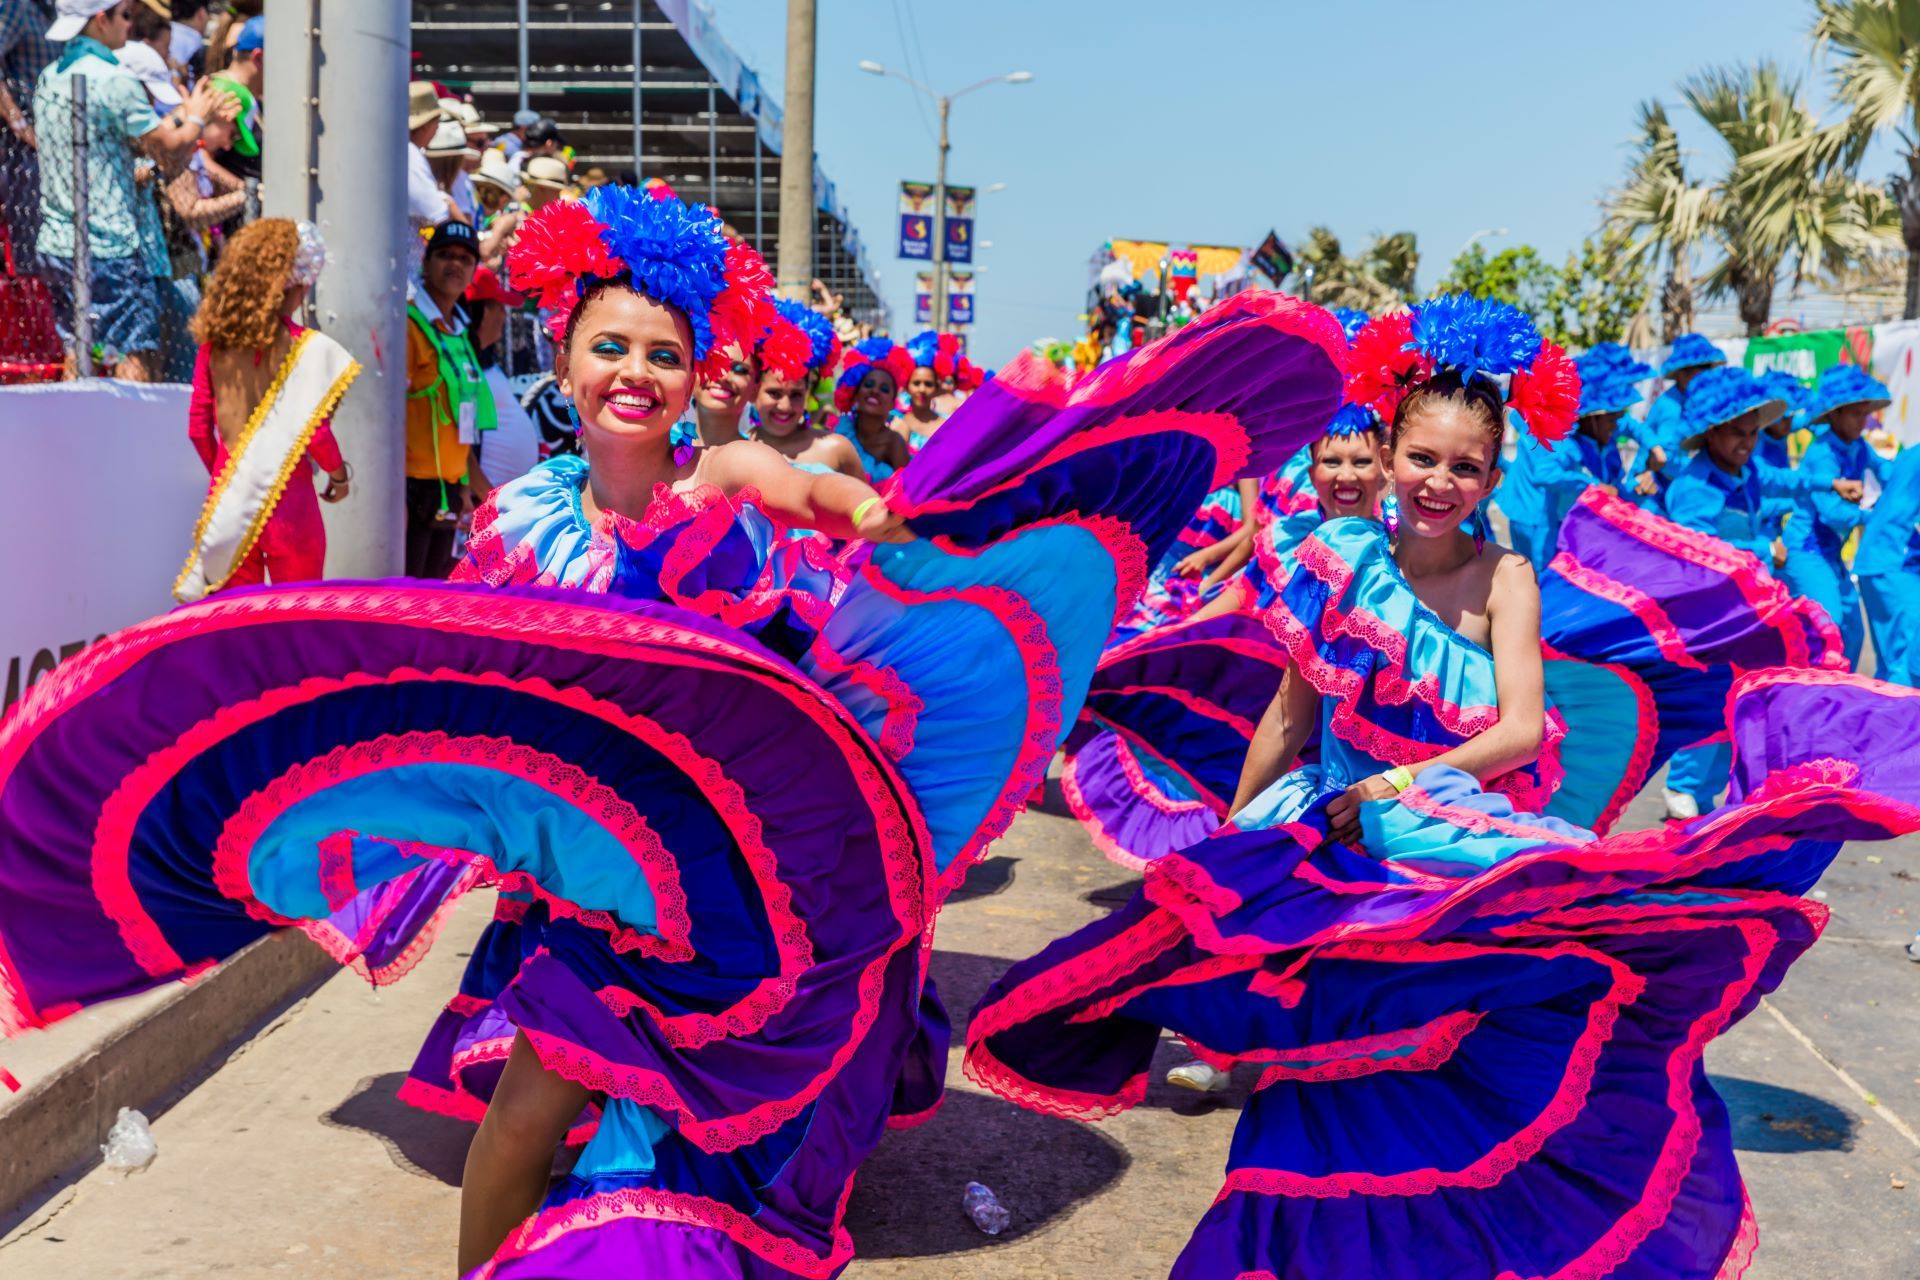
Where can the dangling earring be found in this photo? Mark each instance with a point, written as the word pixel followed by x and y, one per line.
pixel 1479 531
pixel 574 414
pixel 1390 514
pixel 682 438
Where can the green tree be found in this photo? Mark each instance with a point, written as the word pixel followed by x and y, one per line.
pixel 1378 280
pixel 1875 45
pixel 1517 275
pixel 1661 212
pixel 1597 295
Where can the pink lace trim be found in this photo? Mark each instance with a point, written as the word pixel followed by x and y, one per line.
pixel 17 1013
pixel 336 870
pixel 1103 839
pixel 903 705
pixel 984 1069
pixel 1123 546
pixel 1045 693
pixel 1420 801
pixel 1666 636
pixel 1075 978
pixel 1746 1240
pixel 1193 702
pixel 461 1103
pixel 1149 791
pixel 1431 1044
pixel 351 951
pixel 914 1119
pixel 657 1204
pixel 1178 635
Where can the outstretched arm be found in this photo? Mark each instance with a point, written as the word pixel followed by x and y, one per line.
pixel 828 503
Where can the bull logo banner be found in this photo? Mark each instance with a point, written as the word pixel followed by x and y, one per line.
pixel 960 297
pixel 960 207
pixel 916 220
pixel 923 298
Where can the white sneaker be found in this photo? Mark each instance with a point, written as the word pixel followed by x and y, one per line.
pixel 1913 951
pixel 1199 1077
pixel 1680 806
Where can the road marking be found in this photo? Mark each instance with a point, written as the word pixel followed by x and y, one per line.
pixel 1873 1104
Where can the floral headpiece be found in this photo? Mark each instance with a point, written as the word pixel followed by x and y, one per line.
pixel 939 352
pixel 1353 420
pixel 673 252
pixel 1470 338
pixel 861 356
pixel 801 344
pixel 1352 319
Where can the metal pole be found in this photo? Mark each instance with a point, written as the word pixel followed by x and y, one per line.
pixel 796 155
pixel 523 54
pixel 713 140
pixel 940 226
pixel 287 167
pixel 82 237
pixel 640 131
pixel 360 301
pixel 759 195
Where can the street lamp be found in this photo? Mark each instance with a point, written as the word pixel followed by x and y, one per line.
pixel 1481 235
pixel 944 101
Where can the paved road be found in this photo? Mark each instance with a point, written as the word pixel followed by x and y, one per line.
pixel 295 1159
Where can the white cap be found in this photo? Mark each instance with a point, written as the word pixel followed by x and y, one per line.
pixel 144 62
pixel 74 16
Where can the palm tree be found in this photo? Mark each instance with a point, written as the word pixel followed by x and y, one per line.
pixel 1876 47
pixel 1660 210
pixel 1766 212
pixel 1377 281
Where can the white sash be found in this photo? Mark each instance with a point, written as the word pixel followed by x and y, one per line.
pixel 271 449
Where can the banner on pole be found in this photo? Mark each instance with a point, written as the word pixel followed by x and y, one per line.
pixel 916 220
pixel 923 298
pixel 1272 258
pixel 960 205
pixel 960 297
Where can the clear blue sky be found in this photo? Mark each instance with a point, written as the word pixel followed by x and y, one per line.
pixel 1211 121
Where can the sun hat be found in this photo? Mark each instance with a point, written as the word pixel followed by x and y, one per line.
pixel 1608 377
pixel 494 171
pixel 423 105
pixel 1782 385
pixel 244 141
pixel 1691 351
pixel 546 171
pixel 1722 394
pixel 74 16
pixel 449 139
pixel 486 287
pixel 1842 385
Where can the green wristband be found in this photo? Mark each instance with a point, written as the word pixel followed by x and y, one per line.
pixel 860 512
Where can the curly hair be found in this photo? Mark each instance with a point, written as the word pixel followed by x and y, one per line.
pixel 241 311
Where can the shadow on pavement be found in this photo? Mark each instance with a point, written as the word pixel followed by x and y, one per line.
pixel 986 878
pixel 1113 896
pixel 421 1143
pixel 906 1201
pixel 963 978
pixel 1769 1118
pixel 1054 802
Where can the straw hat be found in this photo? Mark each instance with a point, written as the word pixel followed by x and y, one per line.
pixel 448 140
pixel 494 171
pixel 423 106
pixel 546 171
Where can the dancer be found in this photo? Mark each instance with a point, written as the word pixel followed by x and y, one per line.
pixel 729 846
pixel 936 361
pixel 1887 564
pixel 1656 458
pixel 727 389
pixel 1480 1028
pixel 780 409
pixel 1543 484
pixel 872 371
pixel 264 390
pixel 1824 518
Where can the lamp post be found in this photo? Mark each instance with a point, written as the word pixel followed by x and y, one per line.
pixel 944 102
pixel 1480 235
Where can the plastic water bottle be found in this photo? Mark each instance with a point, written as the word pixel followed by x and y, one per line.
pixel 130 1143
pixel 985 1209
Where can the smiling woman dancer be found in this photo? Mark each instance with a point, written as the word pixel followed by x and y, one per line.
pixel 1479 1028
pixel 780 409
pixel 865 394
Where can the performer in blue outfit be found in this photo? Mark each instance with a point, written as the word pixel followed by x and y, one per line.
pixel 1657 459
pixel 1542 484
pixel 1478 1030
pixel 1824 517
pixel 1887 564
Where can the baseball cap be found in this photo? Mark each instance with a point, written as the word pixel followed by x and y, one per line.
pixel 545 131
pixel 151 68
pixel 453 234
pixel 525 119
pixel 72 16
pixel 244 141
pixel 253 35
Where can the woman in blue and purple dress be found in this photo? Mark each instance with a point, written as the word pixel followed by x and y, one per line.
pixel 1478 1025
pixel 727 784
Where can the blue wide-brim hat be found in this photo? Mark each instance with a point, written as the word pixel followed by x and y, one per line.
pixel 1723 394
pixel 1691 351
pixel 1842 385
pixel 1784 386
pixel 1607 394
pixel 1609 361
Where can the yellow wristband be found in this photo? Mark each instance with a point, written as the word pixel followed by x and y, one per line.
pixel 1398 777
pixel 860 512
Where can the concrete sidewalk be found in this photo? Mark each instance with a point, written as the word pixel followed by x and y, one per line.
pixel 295 1159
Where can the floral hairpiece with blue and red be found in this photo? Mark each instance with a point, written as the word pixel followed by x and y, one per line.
pixel 866 354
pixel 801 345
pixel 1469 338
pixel 674 253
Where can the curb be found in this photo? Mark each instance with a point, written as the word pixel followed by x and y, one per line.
pixel 56 1125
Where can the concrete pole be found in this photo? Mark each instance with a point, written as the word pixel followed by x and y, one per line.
pixel 355 131
pixel 639 74
pixel 523 54
pixel 796 155
pixel 713 142
pixel 940 226
pixel 759 195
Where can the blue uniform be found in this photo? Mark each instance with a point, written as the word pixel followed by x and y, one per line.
pixel 1887 564
pixel 1819 527
pixel 1664 428
pixel 1543 484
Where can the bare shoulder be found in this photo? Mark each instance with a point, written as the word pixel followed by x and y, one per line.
pixel 738 463
pixel 1512 582
pixel 835 447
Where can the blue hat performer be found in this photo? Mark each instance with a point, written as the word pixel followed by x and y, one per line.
pixel 1887 563
pixel 1829 511
pixel 1544 482
pixel 1657 459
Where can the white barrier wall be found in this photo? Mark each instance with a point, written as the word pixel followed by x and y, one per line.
pixel 102 491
